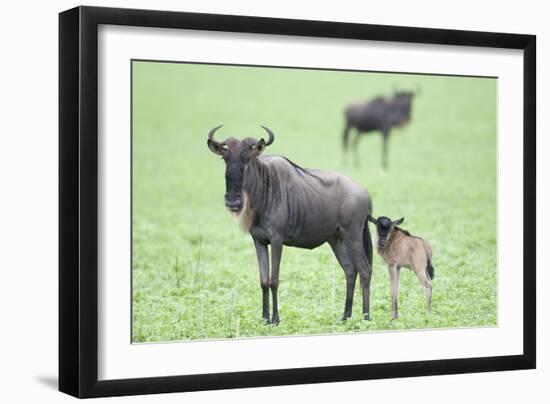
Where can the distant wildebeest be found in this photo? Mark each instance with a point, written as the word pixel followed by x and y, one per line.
pixel 280 203
pixel 379 114
pixel 399 249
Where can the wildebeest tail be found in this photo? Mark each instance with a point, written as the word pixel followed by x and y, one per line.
pixel 430 269
pixel 367 243
pixel 367 240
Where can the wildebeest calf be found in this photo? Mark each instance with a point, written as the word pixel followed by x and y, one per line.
pixel 399 249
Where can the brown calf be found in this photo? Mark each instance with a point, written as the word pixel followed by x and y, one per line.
pixel 399 249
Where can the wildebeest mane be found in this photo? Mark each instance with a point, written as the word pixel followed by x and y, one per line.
pixel 263 183
pixel 407 233
pixel 304 172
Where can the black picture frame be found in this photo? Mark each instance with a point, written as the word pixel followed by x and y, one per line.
pixel 78 200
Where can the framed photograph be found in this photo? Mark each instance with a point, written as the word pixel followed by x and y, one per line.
pixel 249 201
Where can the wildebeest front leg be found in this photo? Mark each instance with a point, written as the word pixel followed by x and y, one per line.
pixel 276 252
pixel 341 255
pixel 263 261
pixel 354 247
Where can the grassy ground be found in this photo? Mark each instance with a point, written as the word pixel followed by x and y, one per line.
pixel 195 273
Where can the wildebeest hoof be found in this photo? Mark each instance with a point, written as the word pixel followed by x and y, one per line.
pixel 366 317
pixel 275 321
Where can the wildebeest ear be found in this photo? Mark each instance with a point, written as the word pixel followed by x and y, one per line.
pixel 216 147
pixel 260 146
pixel 398 221
pixel 372 219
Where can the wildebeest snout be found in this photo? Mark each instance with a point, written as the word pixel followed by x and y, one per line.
pixel 233 202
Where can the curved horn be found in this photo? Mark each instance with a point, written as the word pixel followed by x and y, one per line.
pixel 211 133
pixel 271 135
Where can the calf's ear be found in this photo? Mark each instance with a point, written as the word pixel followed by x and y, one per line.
pixel 398 221
pixel 372 219
pixel 216 148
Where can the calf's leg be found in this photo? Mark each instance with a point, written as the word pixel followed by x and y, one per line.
pixel 394 285
pixel 420 271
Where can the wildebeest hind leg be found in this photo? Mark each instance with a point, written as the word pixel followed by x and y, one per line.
pixel 345 144
pixel 263 262
pixel 354 247
pixel 385 138
pixel 356 148
pixel 341 255
pixel 276 252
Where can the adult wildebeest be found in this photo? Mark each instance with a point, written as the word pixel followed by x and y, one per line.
pixel 279 203
pixel 379 114
pixel 399 249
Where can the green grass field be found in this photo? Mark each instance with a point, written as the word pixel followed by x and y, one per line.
pixel 195 272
